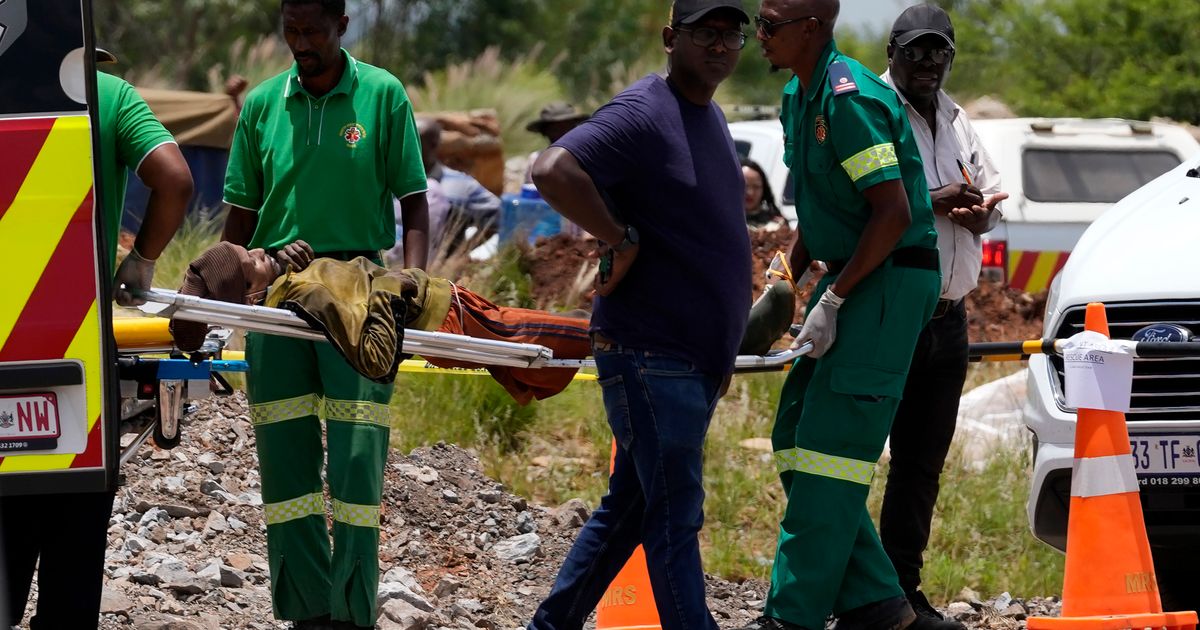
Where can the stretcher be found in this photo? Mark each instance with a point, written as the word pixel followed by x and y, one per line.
pixel 278 321
pixel 157 381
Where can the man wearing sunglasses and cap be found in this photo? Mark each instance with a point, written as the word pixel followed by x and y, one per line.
pixel 863 208
pixel 655 176
pixel 965 190
pixel 62 537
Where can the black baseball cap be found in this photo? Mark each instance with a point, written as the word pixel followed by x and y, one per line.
pixel 922 19
pixel 690 11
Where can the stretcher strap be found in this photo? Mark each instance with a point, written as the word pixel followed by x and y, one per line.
pixel 356 515
pixel 292 509
pixel 814 463
pixel 332 409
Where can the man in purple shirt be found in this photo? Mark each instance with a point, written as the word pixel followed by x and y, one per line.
pixel 654 175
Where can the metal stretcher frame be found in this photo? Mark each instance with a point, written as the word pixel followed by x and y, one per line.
pixel 277 321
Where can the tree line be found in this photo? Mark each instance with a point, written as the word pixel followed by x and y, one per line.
pixel 1091 58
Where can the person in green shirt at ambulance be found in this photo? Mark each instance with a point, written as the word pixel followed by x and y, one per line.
pixel 319 153
pixel 863 208
pixel 62 537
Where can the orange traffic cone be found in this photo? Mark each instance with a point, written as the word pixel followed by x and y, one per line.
pixel 628 604
pixel 1109 581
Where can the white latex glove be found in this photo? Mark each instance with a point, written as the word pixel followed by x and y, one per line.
pixel 135 272
pixel 820 325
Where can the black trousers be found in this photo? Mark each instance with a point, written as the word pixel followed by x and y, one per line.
pixel 69 532
pixel 920 439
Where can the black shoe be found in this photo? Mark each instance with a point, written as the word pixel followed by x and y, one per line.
pixel 921 606
pixel 887 614
pixel 349 625
pixel 770 623
pixel 316 623
pixel 769 319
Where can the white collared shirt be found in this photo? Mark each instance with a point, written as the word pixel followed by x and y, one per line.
pixel 956 140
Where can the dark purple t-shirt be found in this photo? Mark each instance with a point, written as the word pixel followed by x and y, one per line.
pixel 669 168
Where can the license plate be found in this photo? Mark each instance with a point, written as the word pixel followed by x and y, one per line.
pixel 1175 454
pixel 29 422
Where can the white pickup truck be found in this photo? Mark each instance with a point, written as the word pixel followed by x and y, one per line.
pixel 1140 259
pixel 1060 173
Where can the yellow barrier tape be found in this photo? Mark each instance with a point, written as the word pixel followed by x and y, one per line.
pixel 417 366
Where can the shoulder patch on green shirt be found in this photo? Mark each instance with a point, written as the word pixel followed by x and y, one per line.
pixel 841 80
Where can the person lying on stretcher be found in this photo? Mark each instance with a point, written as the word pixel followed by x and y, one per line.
pixel 363 309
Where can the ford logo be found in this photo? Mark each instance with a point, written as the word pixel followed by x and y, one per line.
pixel 1159 333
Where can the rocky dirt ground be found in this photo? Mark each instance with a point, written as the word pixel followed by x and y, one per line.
pixel 187 548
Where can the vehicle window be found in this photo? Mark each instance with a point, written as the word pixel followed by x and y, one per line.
pixel 1077 175
pixel 743 148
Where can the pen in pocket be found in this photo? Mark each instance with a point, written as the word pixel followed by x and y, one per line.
pixel 965 173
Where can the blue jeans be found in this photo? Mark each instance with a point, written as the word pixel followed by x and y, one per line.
pixel 659 408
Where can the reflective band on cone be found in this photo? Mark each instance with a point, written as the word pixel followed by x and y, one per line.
pixel 1100 476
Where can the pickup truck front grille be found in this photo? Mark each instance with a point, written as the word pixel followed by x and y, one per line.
pixel 1163 389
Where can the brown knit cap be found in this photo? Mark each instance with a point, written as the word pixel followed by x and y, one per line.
pixel 217 274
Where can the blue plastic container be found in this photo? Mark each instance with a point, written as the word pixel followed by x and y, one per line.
pixel 527 215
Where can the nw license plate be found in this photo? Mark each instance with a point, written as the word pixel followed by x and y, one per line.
pixel 1159 457
pixel 29 422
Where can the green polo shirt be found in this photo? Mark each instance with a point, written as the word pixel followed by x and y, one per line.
pixel 326 169
pixel 129 132
pixel 842 137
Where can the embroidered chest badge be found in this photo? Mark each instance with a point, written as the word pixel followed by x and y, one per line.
pixel 353 133
pixel 821 130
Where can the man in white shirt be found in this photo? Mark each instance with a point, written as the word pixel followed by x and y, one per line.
pixel 965 190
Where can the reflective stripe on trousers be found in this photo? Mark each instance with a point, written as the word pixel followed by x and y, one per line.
pixel 358 411
pixel 814 463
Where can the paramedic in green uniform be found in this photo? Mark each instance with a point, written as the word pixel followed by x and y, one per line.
pixel 319 153
pixel 863 208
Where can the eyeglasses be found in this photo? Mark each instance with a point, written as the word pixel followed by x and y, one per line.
pixel 917 53
pixel 767 27
pixel 705 37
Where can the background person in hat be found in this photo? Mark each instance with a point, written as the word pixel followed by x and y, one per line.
pixel 965 190
pixel 660 153
pixel 555 120
pixel 64 535
pixel 862 207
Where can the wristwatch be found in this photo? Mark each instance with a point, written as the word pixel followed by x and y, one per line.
pixel 631 239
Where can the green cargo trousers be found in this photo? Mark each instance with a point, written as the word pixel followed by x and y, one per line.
pixel 293 384
pixel 834 416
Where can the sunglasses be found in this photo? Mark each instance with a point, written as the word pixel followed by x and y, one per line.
pixel 768 28
pixel 705 37
pixel 918 53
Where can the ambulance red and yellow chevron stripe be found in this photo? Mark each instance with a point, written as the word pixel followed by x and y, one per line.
pixel 48 288
pixel 1032 271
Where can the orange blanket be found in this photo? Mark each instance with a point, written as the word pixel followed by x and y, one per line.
pixel 473 315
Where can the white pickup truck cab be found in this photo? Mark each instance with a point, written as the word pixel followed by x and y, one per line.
pixel 1141 259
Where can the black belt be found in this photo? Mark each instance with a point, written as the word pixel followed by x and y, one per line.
pixel 912 257
pixel 943 307
pixel 351 254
